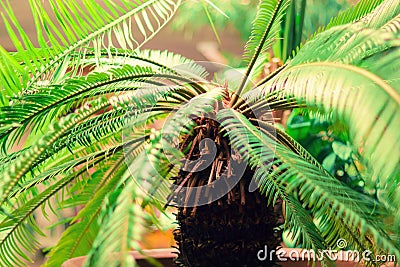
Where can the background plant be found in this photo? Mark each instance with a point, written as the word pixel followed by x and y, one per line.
pixel 238 15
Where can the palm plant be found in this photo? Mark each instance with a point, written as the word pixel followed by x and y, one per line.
pixel 85 106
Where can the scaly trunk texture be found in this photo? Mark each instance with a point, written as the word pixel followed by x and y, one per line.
pixel 229 231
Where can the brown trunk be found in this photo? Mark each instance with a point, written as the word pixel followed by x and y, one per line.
pixel 231 230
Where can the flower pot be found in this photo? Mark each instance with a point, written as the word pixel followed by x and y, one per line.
pixel 164 256
pixel 290 257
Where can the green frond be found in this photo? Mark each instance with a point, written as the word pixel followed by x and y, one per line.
pixel 287 141
pixel 298 219
pixel 84 25
pixel 99 131
pixel 17 219
pixel 162 59
pixel 19 236
pixel 370 13
pixel 265 26
pixel 65 165
pixel 360 14
pixel 121 229
pixel 79 236
pixel 301 224
pixel 33 110
pixel 381 15
pixel 21 166
pixel 330 228
pixel 16 244
pixel 393 25
pixel 352 64
pixel 10 72
pixel 264 33
pixel 316 189
pixel 354 13
pixel 349 44
pixel 270 101
pixel 372 124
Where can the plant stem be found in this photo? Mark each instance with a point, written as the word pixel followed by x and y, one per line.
pixel 256 54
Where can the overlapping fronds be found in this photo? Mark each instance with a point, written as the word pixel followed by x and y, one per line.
pixel 36 109
pixel 66 175
pixel 121 229
pixel 126 24
pixel 89 76
pixel 354 13
pixel 154 58
pixel 265 26
pixel 265 30
pixel 77 240
pixel 371 124
pixel 352 66
pixel 281 171
pixel 18 235
pixel 22 164
pixel 85 129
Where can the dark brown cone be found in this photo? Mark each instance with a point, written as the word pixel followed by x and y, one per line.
pixel 228 234
pixel 225 232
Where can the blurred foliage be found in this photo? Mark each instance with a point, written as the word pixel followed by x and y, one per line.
pixel 319 12
pixel 303 18
pixel 329 145
pixel 242 12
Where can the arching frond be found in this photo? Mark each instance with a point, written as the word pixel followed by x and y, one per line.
pixel 34 109
pixel 382 14
pixel 265 26
pixel 174 63
pixel 354 66
pixel 264 33
pixel 372 123
pixel 16 221
pixel 121 230
pixel 126 24
pixel 22 165
pixel 316 189
pixel 79 236
pixel 354 13
pixel 360 13
pixel 18 236
pixel 393 25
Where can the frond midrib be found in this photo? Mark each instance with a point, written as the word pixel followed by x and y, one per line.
pixel 88 38
pixel 390 91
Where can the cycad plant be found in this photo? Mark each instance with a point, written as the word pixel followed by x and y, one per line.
pixel 85 99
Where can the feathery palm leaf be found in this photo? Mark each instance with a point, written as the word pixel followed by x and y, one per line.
pixel 90 25
pixel 371 123
pixel 78 238
pixel 263 35
pixel 105 115
pixel 121 230
pixel 34 109
pixel 315 188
